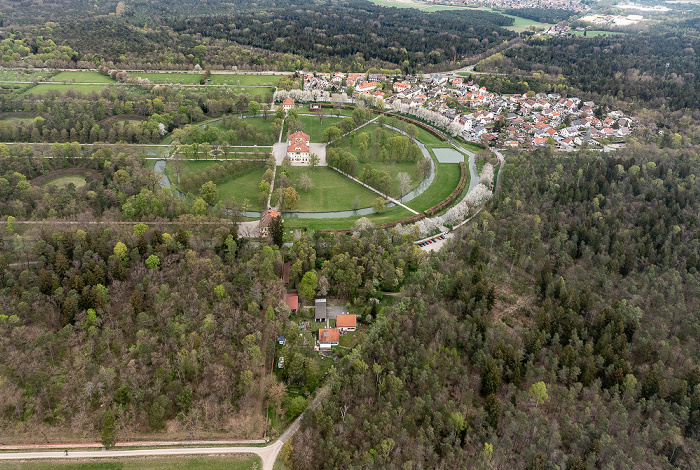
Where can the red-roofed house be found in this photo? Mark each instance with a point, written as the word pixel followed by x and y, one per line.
pixel 287 104
pixel 346 323
pixel 292 301
pixel 265 221
pixel 328 337
pixel 401 86
pixel 298 147
pixel 366 86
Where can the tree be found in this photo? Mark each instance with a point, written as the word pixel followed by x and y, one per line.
pixel 10 227
pixel 290 198
pixel 209 192
pixel 490 378
pixel 363 223
pixel 295 407
pixel 314 161
pixel 277 231
pixel 120 250
pixel 493 407
pixel 307 287
pixel 378 205
pixel 108 435
pixel 404 182
pixel 306 183
pixel 140 229
pixel 331 133
pixel 538 391
pixel 199 206
pixel 153 262
pixel 254 108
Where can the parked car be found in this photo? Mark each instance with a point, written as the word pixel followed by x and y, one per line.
pixel 280 362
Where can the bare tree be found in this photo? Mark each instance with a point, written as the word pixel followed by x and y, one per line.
pixel 404 182
pixel 306 183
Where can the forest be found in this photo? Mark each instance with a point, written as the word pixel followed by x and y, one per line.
pixel 558 330
pixel 270 35
pixel 629 67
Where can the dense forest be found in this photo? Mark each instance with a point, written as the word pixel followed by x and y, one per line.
pixel 558 330
pixel 630 67
pixel 287 35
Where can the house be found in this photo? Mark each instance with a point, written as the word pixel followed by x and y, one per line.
pixel 266 220
pixel 322 312
pixel 298 147
pixel 315 106
pixel 287 104
pixel 366 86
pixel 401 86
pixel 346 323
pixel 328 337
pixel 292 301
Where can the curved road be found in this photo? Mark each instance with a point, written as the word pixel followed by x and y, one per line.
pixel 268 454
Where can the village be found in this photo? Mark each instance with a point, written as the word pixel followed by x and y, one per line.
pixel 476 114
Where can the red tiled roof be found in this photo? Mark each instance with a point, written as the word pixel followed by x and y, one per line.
pixel 328 335
pixel 292 301
pixel 267 216
pixel 346 321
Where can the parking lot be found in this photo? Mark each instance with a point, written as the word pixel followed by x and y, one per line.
pixel 434 243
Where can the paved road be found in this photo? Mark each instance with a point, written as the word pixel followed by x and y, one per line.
pixel 268 453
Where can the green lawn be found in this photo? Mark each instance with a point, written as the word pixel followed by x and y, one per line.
pixel 78 181
pixel 62 88
pixel 524 24
pixel 422 136
pixel 216 78
pixel 81 77
pixel 314 128
pixel 326 111
pixel 257 122
pixel 393 168
pixel 446 180
pixel 17 119
pixel 208 462
pixel 21 75
pixel 241 187
pixel 332 191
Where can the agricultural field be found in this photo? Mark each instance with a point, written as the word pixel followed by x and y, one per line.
pixel 209 462
pixel 332 191
pixel 81 77
pixel 63 88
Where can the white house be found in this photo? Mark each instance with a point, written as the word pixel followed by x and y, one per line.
pixel 298 147
pixel 346 323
